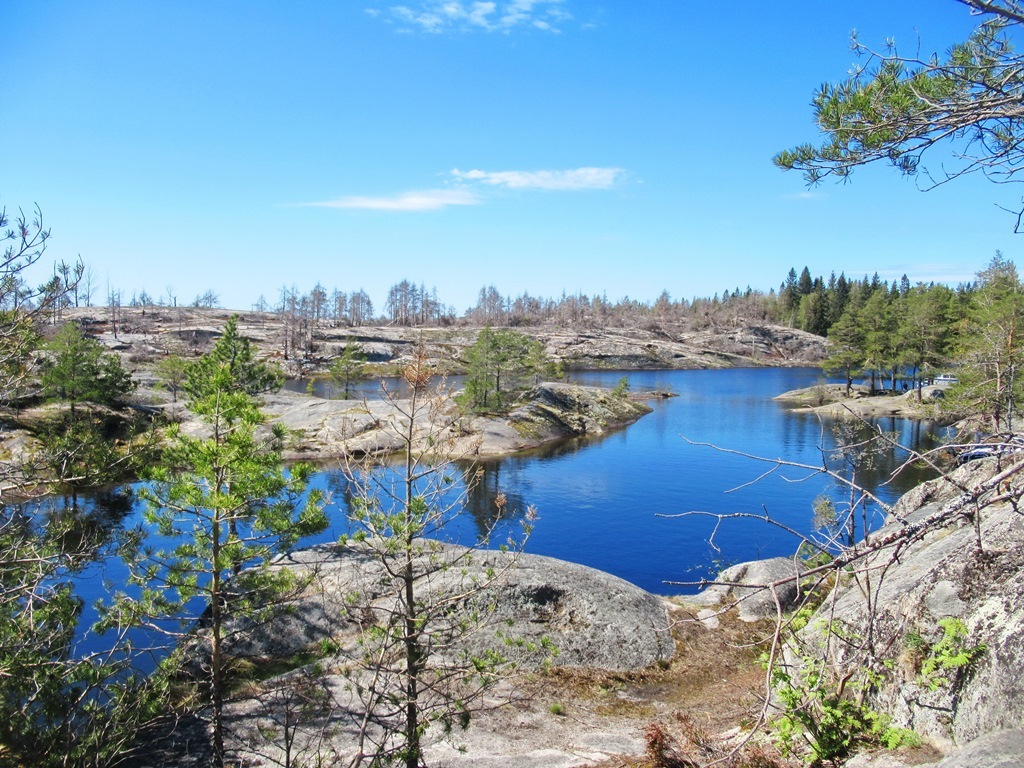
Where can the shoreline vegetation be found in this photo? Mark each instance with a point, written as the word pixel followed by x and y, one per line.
pixel 147 339
pixel 831 400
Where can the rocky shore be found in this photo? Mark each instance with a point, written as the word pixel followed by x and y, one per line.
pixel 952 552
pixel 328 429
pixel 833 400
pixel 145 335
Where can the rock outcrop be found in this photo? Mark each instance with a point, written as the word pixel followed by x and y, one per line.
pixel 936 611
pixel 593 619
pixel 957 567
pixel 323 429
pixel 747 588
pixel 832 400
pixel 553 411
pixel 1002 749
pixel 636 348
pixel 145 334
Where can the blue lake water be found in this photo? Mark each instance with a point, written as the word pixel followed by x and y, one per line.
pixel 600 501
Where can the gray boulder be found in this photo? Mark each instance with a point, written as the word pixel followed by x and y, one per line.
pixel 752 588
pixel 593 619
pixel 1001 749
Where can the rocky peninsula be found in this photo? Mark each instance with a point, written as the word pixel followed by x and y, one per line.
pixel 322 429
pixel 833 400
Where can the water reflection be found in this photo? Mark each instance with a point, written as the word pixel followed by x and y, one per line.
pixel 87 524
pixel 362 389
pixel 491 481
pixel 599 500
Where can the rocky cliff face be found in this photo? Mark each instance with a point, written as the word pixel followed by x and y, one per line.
pixel 964 566
pixel 931 619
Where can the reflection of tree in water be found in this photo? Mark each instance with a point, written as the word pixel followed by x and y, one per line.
pixel 876 458
pixel 484 492
pixel 86 525
pixel 868 455
pixel 504 477
pixel 481 484
pixel 336 483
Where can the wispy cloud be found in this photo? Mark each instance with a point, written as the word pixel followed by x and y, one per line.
pixel 478 15
pixel 426 200
pixel 577 178
pixel 806 195
pixel 470 188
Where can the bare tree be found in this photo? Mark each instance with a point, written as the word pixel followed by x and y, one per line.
pixel 415 667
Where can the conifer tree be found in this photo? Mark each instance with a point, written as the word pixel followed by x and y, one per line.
pixel 924 329
pixel 228 502
pixel 848 353
pixel 234 353
pixel 895 109
pixel 79 369
pixel 499 362
pixel 991 347
pixel 59 706
pixel 348 367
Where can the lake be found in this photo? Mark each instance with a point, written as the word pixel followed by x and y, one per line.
pixel 600 501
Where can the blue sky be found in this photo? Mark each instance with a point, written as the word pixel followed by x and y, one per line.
pixel 538 145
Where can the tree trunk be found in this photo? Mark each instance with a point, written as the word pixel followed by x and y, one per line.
pixel 216 662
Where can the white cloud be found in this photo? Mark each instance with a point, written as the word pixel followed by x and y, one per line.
pixel 577 178
pixel 470 186
pixel 806 195
pixel 426 200
pixel 469 15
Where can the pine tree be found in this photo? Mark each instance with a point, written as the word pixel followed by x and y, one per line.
pixel 58 707
pixel 79 369
pixel 991 346
pixel 411 671
pixel 498 363
pixel 228 501
pixel 849 340
pixel 924 330
pixel 348 367
pixel 234 352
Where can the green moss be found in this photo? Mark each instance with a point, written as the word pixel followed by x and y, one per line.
pixel 524 428
pixel 248 670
